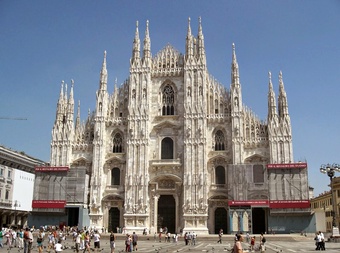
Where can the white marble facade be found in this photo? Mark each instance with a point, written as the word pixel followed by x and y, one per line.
pixel 171 130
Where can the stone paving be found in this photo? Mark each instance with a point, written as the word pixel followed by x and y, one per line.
pixel 275 244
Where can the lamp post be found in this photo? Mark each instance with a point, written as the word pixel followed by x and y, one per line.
pixel 330 170
pixel 16 204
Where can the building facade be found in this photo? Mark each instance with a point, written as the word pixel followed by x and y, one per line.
pixel 322 206
pixel 172 147
pixel 16 187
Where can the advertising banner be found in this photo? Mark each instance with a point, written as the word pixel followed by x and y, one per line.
pixel 51 169
pixel 48 203
pixel 263 203
pixel 287 166
pixel 289 204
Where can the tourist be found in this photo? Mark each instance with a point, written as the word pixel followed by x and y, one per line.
pixel 77 241
pixel 220 236
pixel 87 242
pixel 112 242
pixel 58 246
pixel 238 244
pixel 96 238
pixel 40 242
pixel 134 241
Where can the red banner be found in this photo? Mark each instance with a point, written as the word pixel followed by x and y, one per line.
pixel 48 203
pixel 287 166
pixel 248 203
pixel 51 169
pixel 289 204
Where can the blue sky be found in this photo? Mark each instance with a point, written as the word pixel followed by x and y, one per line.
pixel 45 42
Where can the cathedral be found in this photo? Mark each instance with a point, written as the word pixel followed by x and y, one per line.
pixel 172 147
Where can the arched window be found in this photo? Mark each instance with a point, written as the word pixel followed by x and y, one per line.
pixel 167 148
pixel 168 101
pixel 219 175
pixel 115 176
pixel 117 143
pixel 219 141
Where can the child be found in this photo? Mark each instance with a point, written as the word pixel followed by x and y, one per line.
pixel 252 243
pixel 58 247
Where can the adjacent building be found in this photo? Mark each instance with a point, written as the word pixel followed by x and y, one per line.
pixel 16 186
pixel 322 207
pixel 173 147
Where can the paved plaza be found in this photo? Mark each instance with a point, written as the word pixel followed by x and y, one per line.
pixel 274 244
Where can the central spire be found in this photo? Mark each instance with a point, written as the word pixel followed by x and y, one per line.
pixel 235 78
pixel 103 74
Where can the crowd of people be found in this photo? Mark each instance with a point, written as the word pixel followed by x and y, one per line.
pixel 52 240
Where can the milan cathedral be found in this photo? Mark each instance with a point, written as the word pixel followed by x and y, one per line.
pixel 172 147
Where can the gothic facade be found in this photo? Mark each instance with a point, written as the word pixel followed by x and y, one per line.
pixel 173 147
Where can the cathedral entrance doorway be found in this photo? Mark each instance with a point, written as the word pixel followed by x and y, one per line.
pixel 166 213
pixel 221 220
pixel 72 216
pixel 114 215
pixel 259 220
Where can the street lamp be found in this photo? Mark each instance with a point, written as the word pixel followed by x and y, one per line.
pixel 16 204
pixel 330 170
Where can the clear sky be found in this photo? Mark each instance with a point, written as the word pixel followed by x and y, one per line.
pixel 44 42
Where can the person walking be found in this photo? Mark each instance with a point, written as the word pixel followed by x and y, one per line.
pixel 96 239
pixel 252 243
pixel 220 236
pixel 318 241
pixel 238 244
pixel 20 239
pixel 14 238
pixel 9 238
pixel 134 241
pixel 58 246
pixel 40 242
pixel 194 236
pixel 112 242
pixel 28 239
pixel 128 242
pixel 87 242
pixel 77 241
pixel 1 237
pixel 322 242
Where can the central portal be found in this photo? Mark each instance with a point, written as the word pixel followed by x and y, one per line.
pixel 166 213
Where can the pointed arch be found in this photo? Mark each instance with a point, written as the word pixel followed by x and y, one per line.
pixel 220 142
pixel 117 143
pixel 168 95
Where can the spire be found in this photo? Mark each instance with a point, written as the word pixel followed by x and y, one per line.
pixel 235 78
pixel 189 42
pixel 283 104
pixel 65 95
pixel 60 104
pixel 136 46
pixel 77 126
pixel 103 75
pixel 71 92
pixel 200 39
pixel 61 96
pixel 147 44
pixel 272 114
